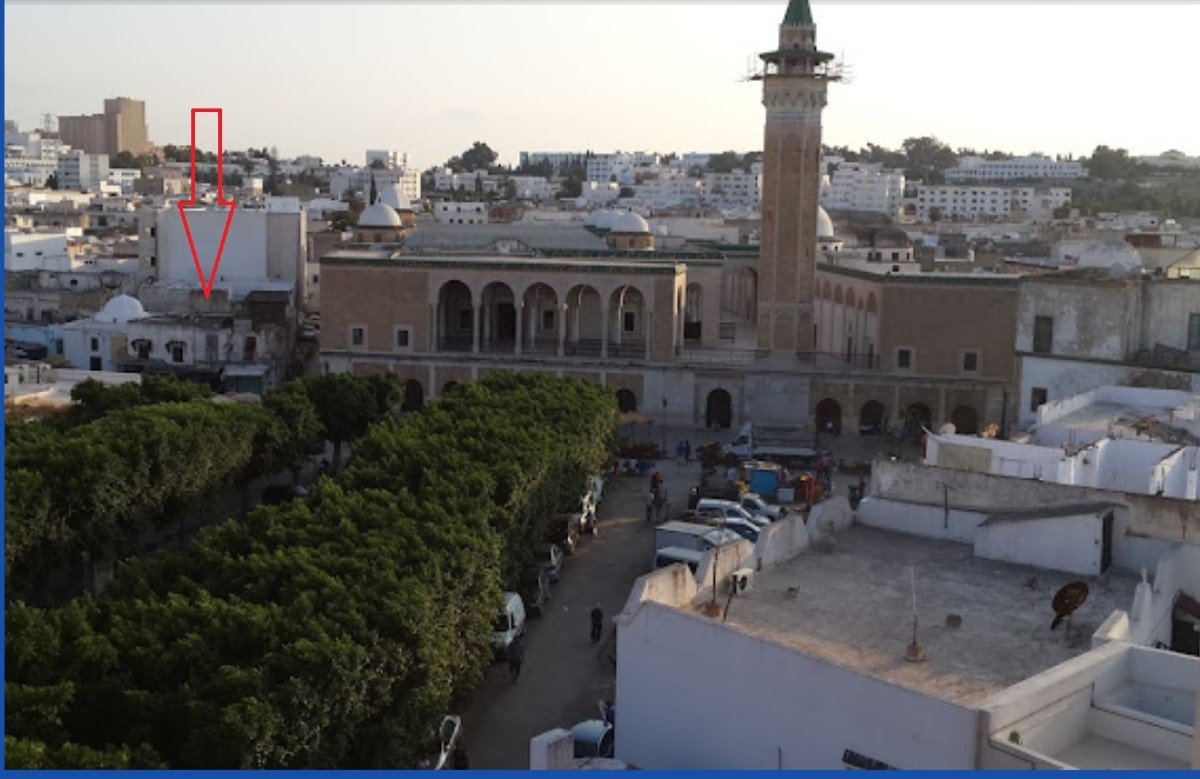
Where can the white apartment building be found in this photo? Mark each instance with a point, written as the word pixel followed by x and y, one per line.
pixel 359 180
pixel 669 191
pixel 621 166
pixel 29 171
pixel 534 188
pixel 461 213
pixel 1035 166
pixel 859 186
pixel 36 251
pixel 125 179
pixel 446 180
pixel 264 249
pixel 593 194
pixel 83 172
pixel 557 159
pixel 990 203
pixel 736 189
pixel 692 160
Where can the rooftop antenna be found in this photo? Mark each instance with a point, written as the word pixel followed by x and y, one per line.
pixel 48 122
pixel 914 653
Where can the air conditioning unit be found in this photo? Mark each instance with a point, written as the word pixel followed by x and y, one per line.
pixel 742 580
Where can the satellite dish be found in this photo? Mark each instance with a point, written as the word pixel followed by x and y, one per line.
pixel 1066 601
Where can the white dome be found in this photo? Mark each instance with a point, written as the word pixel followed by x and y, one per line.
pixel 1098 254
pixel 824 224
pixel 393 196
pixel 122 308
pixel 600 220
pixel 629 222
pixel 1109 255
pixel 379 215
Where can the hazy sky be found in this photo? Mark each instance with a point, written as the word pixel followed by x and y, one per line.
pixel 429 79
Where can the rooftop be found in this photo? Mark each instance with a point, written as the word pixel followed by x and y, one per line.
pixel 852 606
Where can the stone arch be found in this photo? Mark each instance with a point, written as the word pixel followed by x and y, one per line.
pixel 584 309
pixel 628 308
pixel 828 416
pixel 965 420
pixel 827 291
pixel 838 295
pixel 414 396
pixel 456 316
pixel 498 317
pixel 718 409
pixel 871 418
pixel 918 417
pixel 541 311
pixel 626 400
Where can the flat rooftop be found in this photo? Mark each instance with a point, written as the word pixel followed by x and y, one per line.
pixel 852 605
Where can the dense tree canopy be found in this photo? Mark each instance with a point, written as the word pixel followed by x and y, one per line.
pixel 329 632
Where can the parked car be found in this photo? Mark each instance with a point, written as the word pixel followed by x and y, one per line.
pixel 564 530
pixel 550 559
pixel 754 503
pixel 510 622
pixel 534 588
pixel 593 738
pixel 717 491
pixel 732 510
pixel 743 526
pixel 675 554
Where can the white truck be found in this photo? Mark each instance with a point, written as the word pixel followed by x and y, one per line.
pixel 777 444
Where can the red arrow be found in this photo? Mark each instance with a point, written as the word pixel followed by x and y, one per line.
pixel 206 285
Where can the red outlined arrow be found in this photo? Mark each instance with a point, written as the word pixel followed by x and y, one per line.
pixel 206 285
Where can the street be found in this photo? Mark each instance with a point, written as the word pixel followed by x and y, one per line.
pixel 564 675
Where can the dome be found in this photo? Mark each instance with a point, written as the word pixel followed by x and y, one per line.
pixel 393 196
pixel 600 220
pixel 379 215
pixel 1098 254
pixel 629 222
pixel 824 224
pixel 122 308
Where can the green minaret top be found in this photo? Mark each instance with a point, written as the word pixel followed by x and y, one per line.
pixel 798 13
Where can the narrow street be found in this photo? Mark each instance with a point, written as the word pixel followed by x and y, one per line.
pixel 565 675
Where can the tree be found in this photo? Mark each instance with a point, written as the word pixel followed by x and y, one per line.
pixel 927 158
pixel 479 157
pixel 123 159
pixel 378 165
pixel 52 181
pixel 1108 164
pixel 724 162
pixel 301 427
pixel 346 407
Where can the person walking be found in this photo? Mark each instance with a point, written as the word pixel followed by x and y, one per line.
pixel 516 656
pixel 597 623
pixel 687 450
pixel 650 498
pixel 679 453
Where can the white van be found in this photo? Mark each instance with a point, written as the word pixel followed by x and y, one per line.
pixel 510 622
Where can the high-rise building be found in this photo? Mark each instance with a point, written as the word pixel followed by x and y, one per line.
pixel 122 127
pixel 794 83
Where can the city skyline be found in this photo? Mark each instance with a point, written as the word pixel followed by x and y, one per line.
pixel 649 77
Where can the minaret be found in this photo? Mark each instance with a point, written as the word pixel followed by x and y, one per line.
pixel 794 80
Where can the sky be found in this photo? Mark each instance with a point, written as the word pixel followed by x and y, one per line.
pixel 336 79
